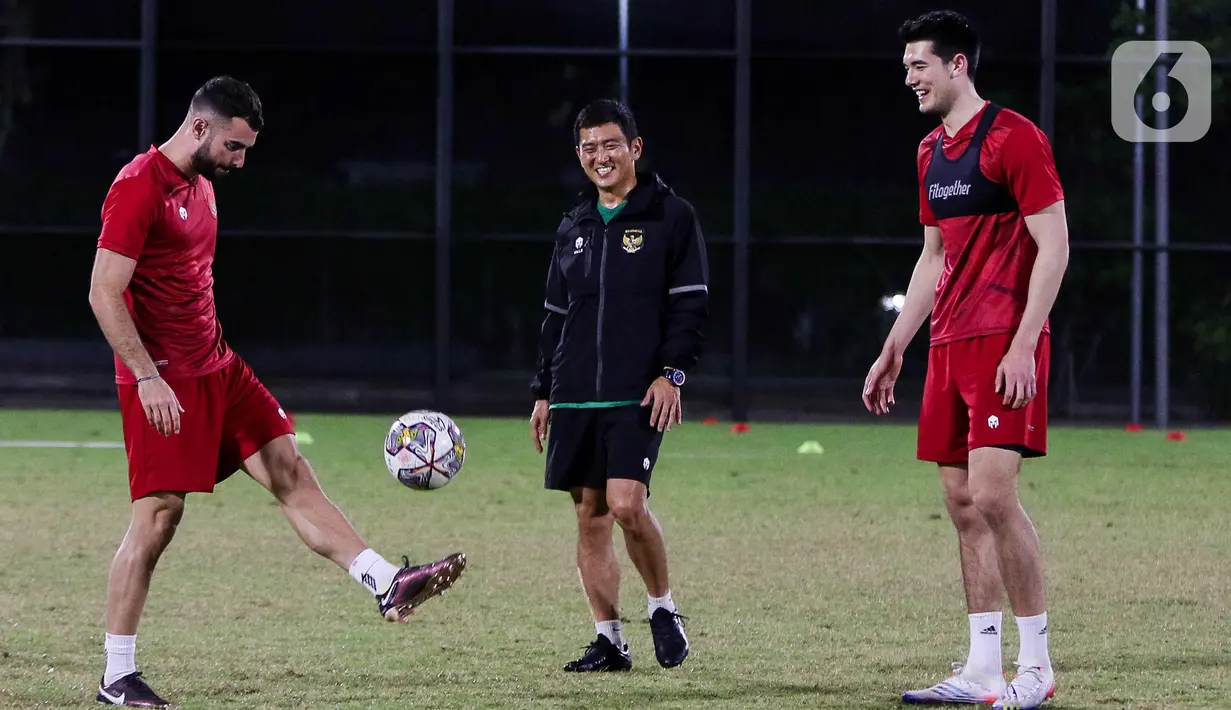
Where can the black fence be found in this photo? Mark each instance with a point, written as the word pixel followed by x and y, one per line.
pixel 386 245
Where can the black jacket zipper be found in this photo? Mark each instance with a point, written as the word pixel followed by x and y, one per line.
pixel 602 297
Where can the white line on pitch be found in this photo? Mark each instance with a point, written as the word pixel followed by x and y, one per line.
pixel 61 444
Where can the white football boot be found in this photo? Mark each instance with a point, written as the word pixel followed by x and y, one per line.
pixel 961 687
pixel 1029 689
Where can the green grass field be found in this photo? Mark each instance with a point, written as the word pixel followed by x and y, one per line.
pixel 810 581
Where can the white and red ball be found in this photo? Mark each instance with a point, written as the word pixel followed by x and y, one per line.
pixel 424 450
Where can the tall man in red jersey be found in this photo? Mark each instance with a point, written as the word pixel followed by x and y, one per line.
pixel 995 252
pixel 193 412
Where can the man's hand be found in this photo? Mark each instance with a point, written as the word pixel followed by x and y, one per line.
pixel 1015 377
pixel 538 424
pixel 666 400
pixel 878 386
pixel 162 409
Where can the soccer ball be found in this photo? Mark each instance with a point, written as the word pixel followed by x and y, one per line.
pixel 424 450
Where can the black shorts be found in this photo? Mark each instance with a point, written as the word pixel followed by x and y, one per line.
pixel 586 447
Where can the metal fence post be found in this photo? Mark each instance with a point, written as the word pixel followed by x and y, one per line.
pixel 624 52
pixel 1047 70
pixel 1162 395
pixel 444 193
pixel 1138 286
pixel 743 130
pixel 149 67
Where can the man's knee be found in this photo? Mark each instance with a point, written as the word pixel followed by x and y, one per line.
pixel 282 469
pixel 627 501
pixel 993 483
pixel 154 521
pixel 996 504
pixel 962 510
pixel 292 473
pixel 593 515
pixel 958 500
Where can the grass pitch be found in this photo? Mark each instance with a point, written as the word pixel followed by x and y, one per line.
pixel 810 581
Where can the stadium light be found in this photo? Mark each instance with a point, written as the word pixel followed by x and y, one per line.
pixel 894 302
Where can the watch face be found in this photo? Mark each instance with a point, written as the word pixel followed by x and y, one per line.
pixel 677 377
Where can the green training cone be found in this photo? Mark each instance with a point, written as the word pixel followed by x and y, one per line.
pixel 810 447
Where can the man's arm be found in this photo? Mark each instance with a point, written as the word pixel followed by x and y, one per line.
pixel 111 275
pixel 555 306
pixel 1049 229
pixel 687 297
pixel 129 211
pixel 920 293
pixel 1029 171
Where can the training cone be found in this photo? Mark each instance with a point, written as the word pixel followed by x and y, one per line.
pixel 810 447
pixel 303 437
pixel 1176 436
pixel 739 428
pixel 710 421
pixel 1134 428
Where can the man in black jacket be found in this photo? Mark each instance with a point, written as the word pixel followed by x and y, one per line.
pixel 627 296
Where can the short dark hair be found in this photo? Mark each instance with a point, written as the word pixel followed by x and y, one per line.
pixel 230 98
pixel 604 111
pixel 950 34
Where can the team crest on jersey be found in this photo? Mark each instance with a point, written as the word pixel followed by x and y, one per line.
pixel 633 239
pixel 213 208
pixel 184 213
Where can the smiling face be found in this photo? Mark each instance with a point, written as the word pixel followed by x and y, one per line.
pixel 607 156
pixel 937 84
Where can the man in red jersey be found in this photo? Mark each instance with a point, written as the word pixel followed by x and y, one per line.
pixel 193 412
pixel 995 252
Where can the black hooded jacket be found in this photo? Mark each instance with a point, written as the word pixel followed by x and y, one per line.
pixel 625 299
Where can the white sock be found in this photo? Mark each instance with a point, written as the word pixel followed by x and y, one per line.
pixel 614 631
pixel 373 572
pixel 1033 649
pixel 984 660
pixel 121 657
pixel 663 602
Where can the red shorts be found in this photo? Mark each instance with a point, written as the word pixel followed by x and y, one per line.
pixel 228 416
pixel 962 411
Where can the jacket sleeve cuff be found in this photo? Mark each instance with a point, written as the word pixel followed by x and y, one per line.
pixel 677 360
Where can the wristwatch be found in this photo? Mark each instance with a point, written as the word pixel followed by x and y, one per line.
pixel 674 376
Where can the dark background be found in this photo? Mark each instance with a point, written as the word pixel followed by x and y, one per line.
pixel 327 269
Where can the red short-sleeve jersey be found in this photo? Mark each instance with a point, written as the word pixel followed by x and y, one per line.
pixel 168 224
pixel 989 256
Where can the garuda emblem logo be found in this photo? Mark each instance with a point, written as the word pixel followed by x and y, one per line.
pixel 633 239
